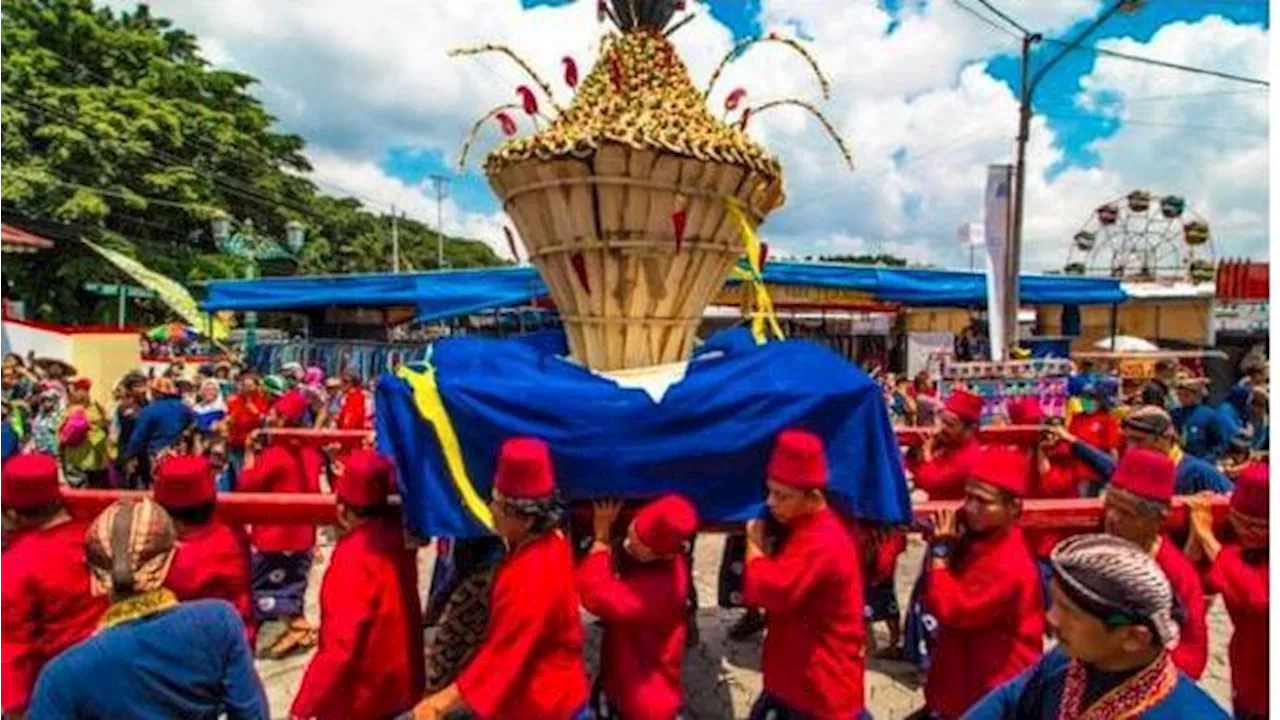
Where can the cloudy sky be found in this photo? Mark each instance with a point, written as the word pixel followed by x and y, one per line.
pixel 922 91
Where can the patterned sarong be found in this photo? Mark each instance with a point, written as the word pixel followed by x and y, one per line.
pixel 280 583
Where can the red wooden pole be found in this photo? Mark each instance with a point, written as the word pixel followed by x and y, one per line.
pixel 249 508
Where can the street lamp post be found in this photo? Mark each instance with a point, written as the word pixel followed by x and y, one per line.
pixel 248 245
pixel 1013 256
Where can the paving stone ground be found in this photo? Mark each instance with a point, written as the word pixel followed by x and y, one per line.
pixel 723 677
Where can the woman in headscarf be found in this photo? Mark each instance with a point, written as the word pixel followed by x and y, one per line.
pixel 529 664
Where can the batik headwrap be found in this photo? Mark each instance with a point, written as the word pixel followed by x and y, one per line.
pixel 1116 581
pixel 129 548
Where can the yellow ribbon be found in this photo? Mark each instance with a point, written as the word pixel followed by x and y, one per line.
pixel 762 315
pixel 426 396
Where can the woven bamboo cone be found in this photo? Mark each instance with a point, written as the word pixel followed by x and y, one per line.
pixel 603 183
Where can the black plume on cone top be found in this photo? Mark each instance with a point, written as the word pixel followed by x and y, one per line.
pixel 644 14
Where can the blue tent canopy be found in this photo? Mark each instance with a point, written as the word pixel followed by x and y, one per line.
pixel 444 294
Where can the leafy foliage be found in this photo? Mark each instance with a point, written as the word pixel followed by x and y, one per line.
pixel 114 127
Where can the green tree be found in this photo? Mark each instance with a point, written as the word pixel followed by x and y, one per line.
pixel 113 125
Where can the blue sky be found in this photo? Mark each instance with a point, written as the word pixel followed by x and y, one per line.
pixel 1074 128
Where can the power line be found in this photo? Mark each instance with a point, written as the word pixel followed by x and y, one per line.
pixel 1166 64
pixel 986 20
pixel 1000 13
pixel 1152 123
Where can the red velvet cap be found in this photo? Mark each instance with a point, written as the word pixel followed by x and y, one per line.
pixel 183 482
pixel 365 480
pixel 799 460
pixel 964 405
pixel 524 469
pixel 1025 411
pixel 1005 467
pixel 1252 495
pixel 29 481
pixel 666 524
pixel 1146 473
pixel 82 383
pixel 291 407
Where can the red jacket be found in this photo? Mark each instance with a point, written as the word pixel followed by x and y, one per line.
pixel 1098 429
pixel 945 475
pixel 351 414
pixel 811 592
pixel 283 469
pixel 212 561
pixel 1245 592
pixel 644 631
pixel 1060 482
pixel 1192 652
pixel 244 415
pixel 990 621
pixel 530 663
pixel 884 545
pixel 370 660
pixel 46 607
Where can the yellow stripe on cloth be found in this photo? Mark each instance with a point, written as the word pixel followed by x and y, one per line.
pixel 426 396
pixel 762 314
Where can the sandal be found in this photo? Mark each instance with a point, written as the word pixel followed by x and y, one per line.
pixel 299 637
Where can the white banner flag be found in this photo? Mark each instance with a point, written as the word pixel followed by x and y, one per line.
pixel 996 222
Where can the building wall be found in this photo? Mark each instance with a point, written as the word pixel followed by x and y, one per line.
pixel 1183 320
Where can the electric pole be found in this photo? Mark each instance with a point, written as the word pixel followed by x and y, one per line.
pixel 1013 254
pixel 440 181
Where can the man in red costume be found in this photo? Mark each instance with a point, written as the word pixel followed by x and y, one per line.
pixel 351 412
pixel 245 412
pixel 1134 508
pixel 810 589
pixel 282 552
pixel 370 660
pixel 983 587
pixel 641 601
pixel 46 605
pixel 1053 475
pixel 212 557
pixel 530 663
pixel 1241 571
pixel 948 456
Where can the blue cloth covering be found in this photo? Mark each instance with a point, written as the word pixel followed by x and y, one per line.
pixel 1037 693
pixel 9 441
pixel 159 426
pixel 189 662
pixel 709 438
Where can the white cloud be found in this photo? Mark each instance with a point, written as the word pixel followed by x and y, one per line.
pixel 922 116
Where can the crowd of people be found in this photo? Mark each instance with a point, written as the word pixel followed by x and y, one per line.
pixel 167 600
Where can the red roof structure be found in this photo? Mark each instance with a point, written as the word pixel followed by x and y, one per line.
pixel 1243 280
pixel 13 239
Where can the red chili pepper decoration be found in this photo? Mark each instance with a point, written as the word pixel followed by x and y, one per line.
pixel 507 122
pixel 528 100
pixel 615 72
pixel 764 255
pixel 580 269
pixel 679 219
pixel 735 98
pixel 746 116
pixel 570 71
pixel 511 243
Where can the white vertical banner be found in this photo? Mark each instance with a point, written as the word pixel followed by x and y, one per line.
pixel 997 220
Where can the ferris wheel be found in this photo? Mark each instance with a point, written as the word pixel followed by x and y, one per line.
pixel 1140 237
